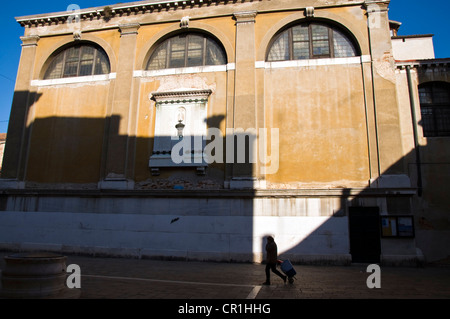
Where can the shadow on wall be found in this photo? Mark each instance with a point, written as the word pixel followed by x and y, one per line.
pixel 84 151
pixel 2 148
pixel 18 131
pixel 366 223
pixel 180 214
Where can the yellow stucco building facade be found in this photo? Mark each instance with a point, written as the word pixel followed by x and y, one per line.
pixel 236 119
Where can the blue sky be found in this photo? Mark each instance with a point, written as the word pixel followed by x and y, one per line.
pixel 417 16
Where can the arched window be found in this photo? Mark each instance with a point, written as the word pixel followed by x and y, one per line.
pixel 78 60
pixel 435 108
pixel 187 50
pixel 311 41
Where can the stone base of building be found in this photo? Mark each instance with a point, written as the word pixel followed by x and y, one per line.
pixel 309 226
pixel 11 184
pixel 182 255
pixel 404 260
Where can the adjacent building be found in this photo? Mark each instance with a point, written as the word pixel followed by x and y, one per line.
pixel 193 129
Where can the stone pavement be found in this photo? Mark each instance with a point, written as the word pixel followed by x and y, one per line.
pixel 122 278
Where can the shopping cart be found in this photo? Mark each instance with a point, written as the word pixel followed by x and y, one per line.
pixel 288 269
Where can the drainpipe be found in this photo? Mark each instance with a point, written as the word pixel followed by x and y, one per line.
pixel 416 135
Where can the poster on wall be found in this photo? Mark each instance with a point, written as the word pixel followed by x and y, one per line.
pixel 389 226
pixel 397 226
pixel 405 227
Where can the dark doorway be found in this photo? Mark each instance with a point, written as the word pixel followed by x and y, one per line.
pixel 364 227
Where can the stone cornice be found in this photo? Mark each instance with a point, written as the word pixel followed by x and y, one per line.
pixel 445 62
pixel 121 9
pixel 157 6
pixel 193 95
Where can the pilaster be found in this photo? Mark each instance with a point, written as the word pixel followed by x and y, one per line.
pixel 120 136
pixel 20 121
pixel 245 175
pixel 386 110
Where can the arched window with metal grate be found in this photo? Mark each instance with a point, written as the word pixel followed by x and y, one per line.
pixel 78 60
pixel 187 50
pixel 311 40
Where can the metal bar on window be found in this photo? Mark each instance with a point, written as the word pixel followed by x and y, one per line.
pixel 331 42
pixel 291 44
pixel 186 50
pixel 63 69
pixel 205 44
pixel 311 48
pixel 94 62
pixel 80 51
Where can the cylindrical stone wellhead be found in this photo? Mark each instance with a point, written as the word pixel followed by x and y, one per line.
pixel 33 275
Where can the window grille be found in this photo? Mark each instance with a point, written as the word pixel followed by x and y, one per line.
pixel 311 41
pixel 187 50
pixel 78 60
pixel 435 108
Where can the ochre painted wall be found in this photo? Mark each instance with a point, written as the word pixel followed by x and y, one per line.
pixel 320 114
pixel 67 134
pixel 319 110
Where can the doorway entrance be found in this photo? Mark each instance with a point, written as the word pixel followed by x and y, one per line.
pixel 364 229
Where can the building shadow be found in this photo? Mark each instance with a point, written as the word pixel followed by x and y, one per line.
pixel 64 204
pixel 18 131
pixel 400 219
pixel 180 214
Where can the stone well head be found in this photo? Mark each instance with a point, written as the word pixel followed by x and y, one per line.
pixel 33 275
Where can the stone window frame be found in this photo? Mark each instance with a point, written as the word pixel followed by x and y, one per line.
pixel 186 99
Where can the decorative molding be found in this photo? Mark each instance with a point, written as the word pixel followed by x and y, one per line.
pixel 424 64
pixel 185 96
pixel 129 29
pixel 77 35
pixel 30 40
pixel 309 12
pixel 245 16
pixel 189 102
pixel 184 24
pixel 123 10
pixel 119 10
